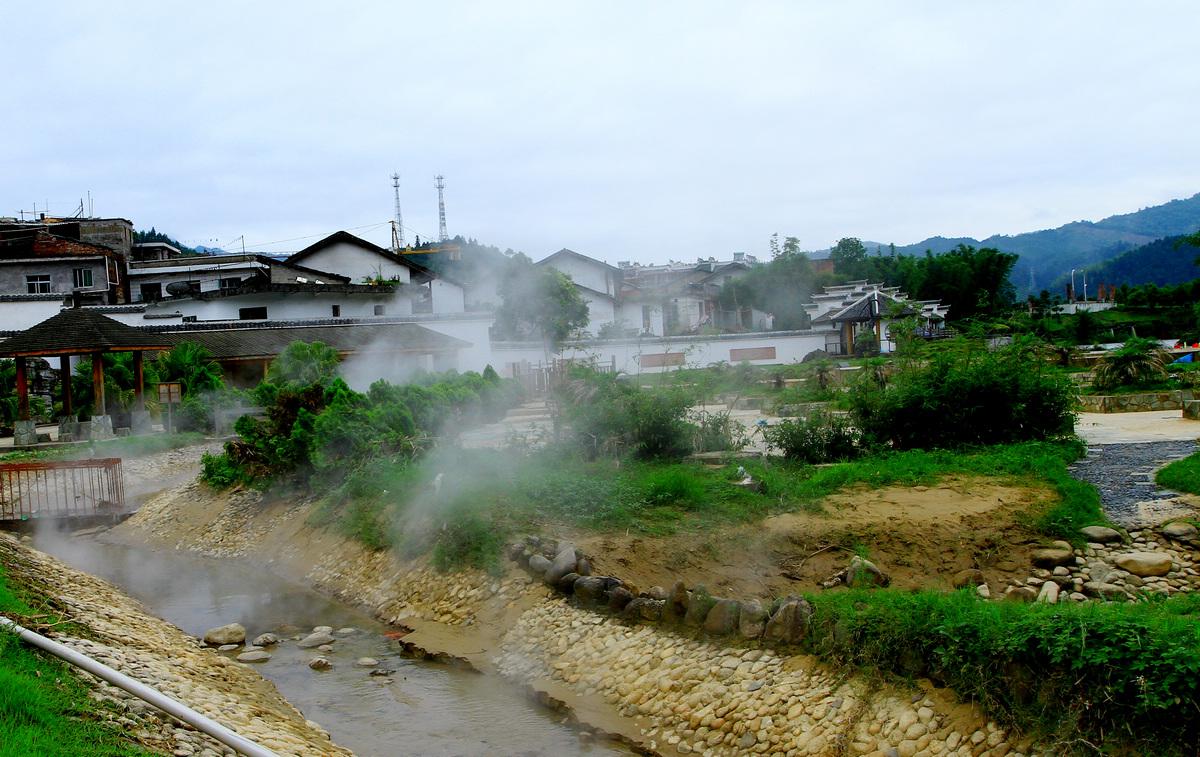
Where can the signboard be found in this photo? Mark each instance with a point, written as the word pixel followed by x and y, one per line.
pixel 170 393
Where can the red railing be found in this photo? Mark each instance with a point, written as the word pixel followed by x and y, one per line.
pixel 61 489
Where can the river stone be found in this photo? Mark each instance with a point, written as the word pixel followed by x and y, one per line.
pixel 325 648
pixel 1052 557
pixel 322 629
pixel 566 584
pixel 1048 593
pixel 1020 594
pixel 590 589
pixel 723 617
pixel 228 647
pixel 968 578
pixel 1145 563
pixel 320 663
pixel 315 639
pixel 564 563
pixel 538 564
pixel 1179 530
pixel 644 608
pixel 677 601
pixel 265 640
pixel 618 598
pixel 233 633
pixel 657 592
pixel 366 662
pixel 1100 534
pixel 698 607
pixel 583 566
pixel 789 623
pixel 1103 590
pixel 863 572
pixel 256 655
pixel 752 620
pixel 347 631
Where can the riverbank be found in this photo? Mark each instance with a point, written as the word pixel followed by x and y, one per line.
pixel 112 628
pixel 663 691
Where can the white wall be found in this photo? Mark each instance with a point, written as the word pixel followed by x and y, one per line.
pixel 285 306
pixel 447 297
pixel 600 309
pixel 19 315
pixel 355 262
pixel 585 273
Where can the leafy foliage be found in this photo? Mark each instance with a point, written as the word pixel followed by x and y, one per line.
pixel 819 438
pixel 608 416
pixel 538 301
pixel 1137 363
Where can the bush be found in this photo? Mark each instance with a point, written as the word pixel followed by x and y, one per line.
pixel 609 416
pixel 468 540
pixel 819 438
pixel 967 396
pixel 1138 363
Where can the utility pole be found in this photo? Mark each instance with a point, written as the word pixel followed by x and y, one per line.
pixel 398 226
pixel 441 186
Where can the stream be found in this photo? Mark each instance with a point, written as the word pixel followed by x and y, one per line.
pixel 423 708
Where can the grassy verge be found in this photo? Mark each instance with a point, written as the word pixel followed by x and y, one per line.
pixel 1114 674
pixel 485 494
pixel 1181 475
pixel 44 707
pixel 129 446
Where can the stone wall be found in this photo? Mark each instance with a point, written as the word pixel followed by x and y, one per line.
pixel 1134 403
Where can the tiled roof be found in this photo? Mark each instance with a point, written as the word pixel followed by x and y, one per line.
pixel 245 343
pixel 76 331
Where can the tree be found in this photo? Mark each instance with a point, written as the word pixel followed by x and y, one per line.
pixel 539 301
pixel 305 364
pixel 192 365
pixel 1139 362
pixel 848 256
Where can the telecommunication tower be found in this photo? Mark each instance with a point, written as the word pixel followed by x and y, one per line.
pixel 398 225
pixel 441 186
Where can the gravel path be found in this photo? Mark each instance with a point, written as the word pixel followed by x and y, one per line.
pixel 1124 473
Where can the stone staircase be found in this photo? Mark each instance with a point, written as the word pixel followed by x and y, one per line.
pixel 530 423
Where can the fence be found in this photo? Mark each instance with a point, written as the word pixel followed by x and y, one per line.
pixel 61 489
pixel 539 378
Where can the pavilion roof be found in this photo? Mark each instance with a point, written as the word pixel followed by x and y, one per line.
pixel 76 331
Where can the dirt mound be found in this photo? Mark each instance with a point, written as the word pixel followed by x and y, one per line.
pixel 921 536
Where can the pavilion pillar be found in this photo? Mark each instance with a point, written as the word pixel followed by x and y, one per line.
pixel 99 406
pixel 64 372
pixel 22 389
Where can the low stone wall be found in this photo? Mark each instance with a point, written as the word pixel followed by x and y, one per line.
pixel 1134 403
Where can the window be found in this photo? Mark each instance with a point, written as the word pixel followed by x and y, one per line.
pixel 252 314
pixel 337 311
pixel 151 292
pixel 81 278
pixel 230 284
pixel 380 310
pixel 38 283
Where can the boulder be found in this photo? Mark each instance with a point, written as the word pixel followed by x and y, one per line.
pixel 618 598
pixel 1145 563
pixel 970 577
pixel 1180 531
pixel 677 601
pixel 266 640
pixel 320 663
pixel 752 620
pixel 863 572
pixel 644 608
pixel 1048 593
pixel 564 563
pixel 583 567
pixel 1052 557
pixel 1100 534
pixel 254 656
pixel 699 603
pixel 232 633
pixel 984 591
pixel 539 565
pixel 323 629
pixel 723 617
pixel 1020 594
pixel 789 623
pixel 1103 590
pixel 315 639
pixel 657 592
pixel 590 589
pixel 566 584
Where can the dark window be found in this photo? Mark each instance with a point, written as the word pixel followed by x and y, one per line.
pixel 252 314
pixel 81 278
pixel 38 283
pixel 151 292
pixel 337 311
pixel 380 310
pixel 228 284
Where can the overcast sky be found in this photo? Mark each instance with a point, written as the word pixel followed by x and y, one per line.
pixel 624 130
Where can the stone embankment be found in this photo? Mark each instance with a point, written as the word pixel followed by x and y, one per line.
pixel 113 629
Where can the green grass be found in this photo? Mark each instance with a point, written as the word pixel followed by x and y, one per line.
pixel 1116 674
pixel 1181 475
pixel 393 504
pixel 44 707
pixel 130 446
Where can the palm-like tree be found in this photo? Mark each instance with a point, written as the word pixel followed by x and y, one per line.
pixel 192 365
pixel 1139 362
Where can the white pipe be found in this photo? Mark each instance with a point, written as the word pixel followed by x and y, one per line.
pixel 153 696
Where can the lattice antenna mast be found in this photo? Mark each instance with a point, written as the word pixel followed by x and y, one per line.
pixel 398 226
pixel 441 186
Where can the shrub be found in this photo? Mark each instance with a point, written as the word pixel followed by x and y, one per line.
pixel 1137 363
pixel 468 540
pixel 967 396
pixel 819 438
pixel 609 416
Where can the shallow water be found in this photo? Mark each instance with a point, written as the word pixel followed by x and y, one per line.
pixel 422 709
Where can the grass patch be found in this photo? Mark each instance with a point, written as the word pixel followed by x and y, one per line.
pixel 1112 673
pixel 1181 475
pixel 44 708
pixel 129 446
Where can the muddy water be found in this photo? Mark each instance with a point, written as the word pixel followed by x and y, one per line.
pixel 421 709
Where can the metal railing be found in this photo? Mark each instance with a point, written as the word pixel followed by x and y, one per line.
pixel 61 489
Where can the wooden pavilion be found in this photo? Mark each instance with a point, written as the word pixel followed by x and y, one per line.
pixel 77 331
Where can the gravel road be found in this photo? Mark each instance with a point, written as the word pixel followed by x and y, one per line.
pixel 1124 473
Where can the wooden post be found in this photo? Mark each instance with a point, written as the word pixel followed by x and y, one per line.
pixel 139 380
pixel 64 372
pixel 22 390
pixel 99 407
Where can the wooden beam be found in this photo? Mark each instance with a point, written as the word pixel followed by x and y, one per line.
pixel 22 389
pixel 64 372
pixel 99 407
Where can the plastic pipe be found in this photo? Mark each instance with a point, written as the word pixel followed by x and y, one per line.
pixel 155 697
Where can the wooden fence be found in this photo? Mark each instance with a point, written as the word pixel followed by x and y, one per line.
pixel 61 489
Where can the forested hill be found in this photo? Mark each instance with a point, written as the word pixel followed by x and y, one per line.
pixel 1051 253
pixel 154 235
pixel 1162 262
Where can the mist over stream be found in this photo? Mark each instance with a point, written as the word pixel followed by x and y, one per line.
pixel 424 708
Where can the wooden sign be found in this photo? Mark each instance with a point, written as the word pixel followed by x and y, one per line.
pixel 170 393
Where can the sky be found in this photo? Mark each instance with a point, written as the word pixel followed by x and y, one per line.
pixel 623 130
